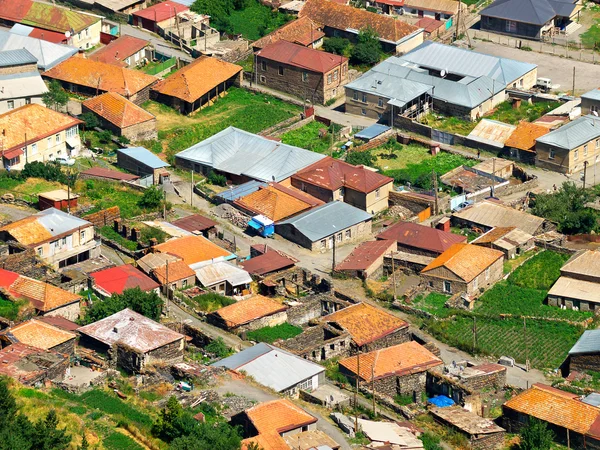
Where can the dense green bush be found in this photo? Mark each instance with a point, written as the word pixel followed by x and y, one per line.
pixel 336 45
pixel 49 172
pixel 148 304
pixel 216 179
pixel 365 158
pixel 272 334
pixel 91 120
pixel 367 50
pixel 152 198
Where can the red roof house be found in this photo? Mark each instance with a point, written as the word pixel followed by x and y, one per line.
pixel 301 56
pixel 158 15
pixel 269 262
pixel 415 238
pixel 331 179
pixel 116 279
pixel 366 259
pixel 126 51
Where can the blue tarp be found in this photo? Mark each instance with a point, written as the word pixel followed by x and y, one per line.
pixel 371 132
pixel 441 401
pixel 254 224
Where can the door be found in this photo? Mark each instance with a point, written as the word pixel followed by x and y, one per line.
pixel 330 242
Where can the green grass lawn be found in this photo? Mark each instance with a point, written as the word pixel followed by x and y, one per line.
pixel 240 108
pixel 308 137
pixel 256 21
pixel 433 303
pixel 209 302
pixel 272 334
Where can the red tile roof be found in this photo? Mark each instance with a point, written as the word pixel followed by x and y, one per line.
pixel 49 36
pixel 161 11
pixel 246 311
pixel 39 334
pixel 332 174
pixel 117 110
pixel 367 253
pixel 197 79
pixel 429 24
pixel 301 31
pixel 195 222
pixel 177 270
pixel 116 279
pixel 330 14
pixel 101 76
pixel 118 50
pixel 300 56
pixel 268 262
pixel 421 237
pixel 101 172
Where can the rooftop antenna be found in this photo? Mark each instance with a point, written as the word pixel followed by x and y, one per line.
pixel 443 73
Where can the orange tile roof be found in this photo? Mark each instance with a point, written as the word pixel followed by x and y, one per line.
pixel 466 261
pixel 266 442
pixel 525 135
pixel 100 76
pixel 404 359
pixel 178 270
pixel 366 323
pixel 118 50
pixel 556 407
pixel 27 231
pixel 301 31
pixel 192 249
pixel 278 416
pixel 330 14
pixel 197 79
pixel 248 310
pixel 493 235
pixel 118 110
pixel 43 296
pixel 40 334
pixel 34 121
pixel 272 203
pixel 297 55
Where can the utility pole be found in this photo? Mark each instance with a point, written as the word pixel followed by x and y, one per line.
pixel 356 392
pixel 573 94
pixel 69 191
pixel 585 164
pixel 493 176
pixel 393 274
pixel 434 183
pixel 526 346
pixel 333 262
pixel 458 20
pixel 192 190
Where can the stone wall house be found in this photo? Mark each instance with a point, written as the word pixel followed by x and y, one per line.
pixel 31 366
pixel 313 75
pixel 143 162
pixel 509 240
pixel 133 341
pixel 464 268
pixel 175 275
pixel 319 343
pixel 482 434
pixel 590 102
pixel 584 355
pixel 370 328
pixel 579 283
pixel 122 117
pixel 366 260
pixel 397 370
pixel 251 314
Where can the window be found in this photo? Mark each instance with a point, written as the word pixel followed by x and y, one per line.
pixel 184 284
pixel 40 251
pixel 49 142
pixel 593 108
pixel 127 60
pixel 380 102
pixel 364 98
pixel 335 75
pixel 338 237
pixel 28 100
pixel 551 154
pixel 11 104
pixel 33 149
pixel 447 287
pixel 306 384
pixel 377 193
pixel 511 26
pixel 87 32
pixel 57 138
pixel 576 155
pixel 263 66
pixel 72 132
pixel 597 143
pixel 51 156
pixel 487 273
pixel 363 112
pixel 63 241
pixel 82 235
pixel 323 243
pixel 430 284
pixel 355 95
pixel 348 234
pixel 341 192
pixel 13 161
pixel 263 79
pixel 305 76
pixel 585 149
pixel 280 70
pixel 79 36
pixel 328 78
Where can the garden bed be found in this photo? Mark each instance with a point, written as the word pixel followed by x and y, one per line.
pixel 272 334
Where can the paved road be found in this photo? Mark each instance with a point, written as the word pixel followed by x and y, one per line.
pixel 255 393
pixel 160 45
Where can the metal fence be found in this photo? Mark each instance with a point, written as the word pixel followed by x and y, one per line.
pixel 160 67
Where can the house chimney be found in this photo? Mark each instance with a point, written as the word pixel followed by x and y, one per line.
pixel 115 330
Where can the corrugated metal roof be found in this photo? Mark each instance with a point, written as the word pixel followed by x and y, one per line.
pixel 573 134
pixel 235 192
pixel 326 220
pixel 592 399
pixel 567 287
pixel 271 366
pixel 47 54
pixel 16 57
pixel 492 214
pixel 58 222
pixel 536 12
pixel 594 94
pixel 372 132
pixel 238 152
pixel 589 342
pixel 492 132
pixel 220 271
pixel 28 84
pixel 585 263
pixel 144 156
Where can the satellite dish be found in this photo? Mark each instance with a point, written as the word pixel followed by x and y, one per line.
pixel 67 34
pixel 443 73
pixel 595 113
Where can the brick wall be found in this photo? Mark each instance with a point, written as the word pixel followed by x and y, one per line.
pixel 583 363
pixel 105 217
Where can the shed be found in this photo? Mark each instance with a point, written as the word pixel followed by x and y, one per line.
pixel 143 162
pixel 372 132
pixel 31 365
pixel 585 354
pixel 268 262
pixel 366 259
pixel 251 314
pixel 59 199
pixel 481 433
pixel 491 133
pixel 195 223
pixel 115 280
pixel 224 278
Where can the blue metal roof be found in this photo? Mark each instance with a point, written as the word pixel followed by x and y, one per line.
pixel 592 399
pixel 372 132
pixel 241 191
pixel 144 156
pixel 16 57
pixel 589 342
pixel 441 401
pixel 574 134
pixel 47 53
pixel 594 94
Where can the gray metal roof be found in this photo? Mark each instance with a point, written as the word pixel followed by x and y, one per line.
pixel 592 399
pixel 144 156
pixel 17 57
pixel 492 214
pixel 47 54
pixel 372 132
pixel 58 222
pixel 594 94
pixel 589 342
pixel 19 85
pixel 238 152
pixel 219 271
pixel 574 134
pixel 271 366
pixel 242 190
pixel 327 219
pixel 536 12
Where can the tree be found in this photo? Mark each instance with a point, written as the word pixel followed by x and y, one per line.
pixel 56 96
pixel 152 198
pixel 173 422
pixel 221 436
pixel 90 119
pixel 367 49
pixel 536 436
pixel 48 436
pixel 361 158
pixel 218 348
pixel 336 45
pixel 148 304
pixel 219 12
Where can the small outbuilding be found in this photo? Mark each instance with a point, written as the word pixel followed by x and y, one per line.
pixel 59 199
pixel 251 314
pixel 482 434
pixel 584 356
pixel 115 280
pixel 366 260
pixel 36 333
pixel 30 365
pixel 509 240
pixel 143 162
pixel 224 278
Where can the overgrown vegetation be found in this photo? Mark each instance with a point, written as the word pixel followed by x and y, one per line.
pixel 272 334
pixel 218 348
pixel 433 303
pixel 365 158
pixel 210 302
pixel 148 304
pixel 539 272
pixel 314 136
pixel 367 50
pixel 536 436
pixel 216 178
pixel 56 97
pixel 109 233
pixel 9 310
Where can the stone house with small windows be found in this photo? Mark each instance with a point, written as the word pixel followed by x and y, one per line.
pixel 313 75
pixel 578 286
pixel 464 268
pixel 590 102
pixel 571 147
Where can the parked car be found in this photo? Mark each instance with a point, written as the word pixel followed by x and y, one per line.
pixel 462 205
pixel 64 161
